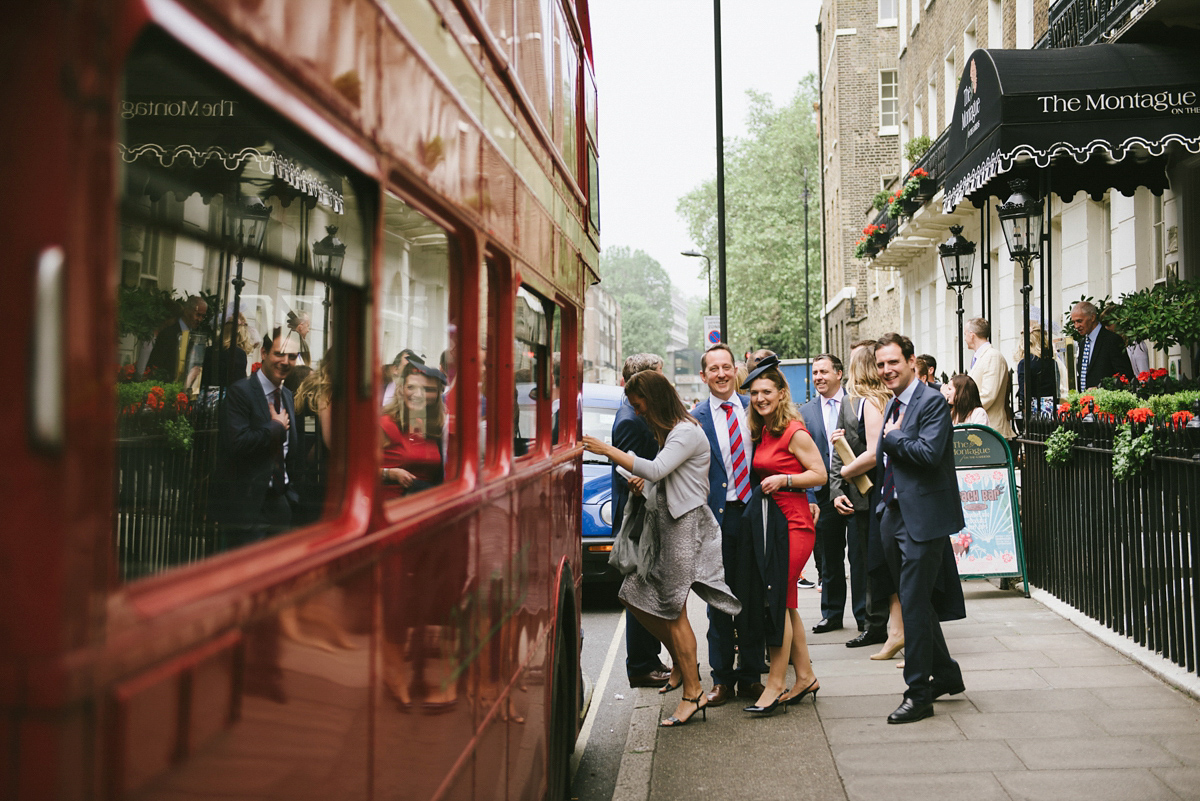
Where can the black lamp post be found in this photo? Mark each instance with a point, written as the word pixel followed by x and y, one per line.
pixel 328 255
pixel 1021 220
pixel 708 272
pixel 958 264
pixel 249 216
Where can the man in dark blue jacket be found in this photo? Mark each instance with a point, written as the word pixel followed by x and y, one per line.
pixel 919 510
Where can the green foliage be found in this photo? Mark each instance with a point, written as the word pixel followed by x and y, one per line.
pixel 1119 402
pixel 765 226
pixel 916 147
pixel 1116 402
pixel 1058 447
pixel 1165 314
pixel 881 200
pixel 142 311
pixel 642 288
pixel 1130 453
pixel 178 432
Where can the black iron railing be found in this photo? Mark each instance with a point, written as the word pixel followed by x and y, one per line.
pixel 1122 552
pixel 1074 23
pixel 933 160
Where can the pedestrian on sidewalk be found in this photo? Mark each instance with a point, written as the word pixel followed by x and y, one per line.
pixel 643 667
pixel 820 417
pixel 736 652
pixel 919 511
pixel 688 547
pixel 787 463
pixel 860 424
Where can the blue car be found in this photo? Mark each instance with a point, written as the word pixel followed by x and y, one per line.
pixel 600 403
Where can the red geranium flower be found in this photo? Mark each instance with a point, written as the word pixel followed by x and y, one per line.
pixel 1144 376
pixel 1159 373
pixel 1181 417
pixel 1139 415
pixel 254 367
pixel 919 172
pixel 1064 408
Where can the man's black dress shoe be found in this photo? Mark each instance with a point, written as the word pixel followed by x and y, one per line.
pixel 827 625
pixel 946 689
pixel 868 637
pixel 655 678
pixel 910 711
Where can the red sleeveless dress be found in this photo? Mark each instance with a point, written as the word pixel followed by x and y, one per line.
pixel 772 457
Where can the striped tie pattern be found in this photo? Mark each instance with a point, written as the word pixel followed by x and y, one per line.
pixel 1085 361
pixel 889 480
pixel 737 455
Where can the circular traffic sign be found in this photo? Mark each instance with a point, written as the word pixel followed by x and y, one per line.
pixel 714 337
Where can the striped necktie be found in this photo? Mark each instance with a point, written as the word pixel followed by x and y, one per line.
pixel 1084 361
pixel 888 493
pixel 737 454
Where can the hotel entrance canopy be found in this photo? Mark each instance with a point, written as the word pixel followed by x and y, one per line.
pixel 1098 117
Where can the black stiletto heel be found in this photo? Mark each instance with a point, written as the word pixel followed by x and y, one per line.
pixel 768 710
pixel 810 689
pixel 673 721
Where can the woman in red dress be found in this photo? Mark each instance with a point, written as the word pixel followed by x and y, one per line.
pixel 412 432
pixel 787 463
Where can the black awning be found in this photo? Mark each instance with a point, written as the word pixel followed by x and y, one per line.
pixel 1102 116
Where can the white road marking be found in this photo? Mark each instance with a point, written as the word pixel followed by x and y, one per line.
pixel 585 732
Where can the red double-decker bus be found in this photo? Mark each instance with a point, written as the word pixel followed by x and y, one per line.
pixel 290 480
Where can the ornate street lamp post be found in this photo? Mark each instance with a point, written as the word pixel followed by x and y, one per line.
pixel 328 255
pixel 708 274
pixel 1021 220
pixel 249 217
pixel 958 264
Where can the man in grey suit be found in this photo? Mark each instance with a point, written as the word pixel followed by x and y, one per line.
pixel 919 510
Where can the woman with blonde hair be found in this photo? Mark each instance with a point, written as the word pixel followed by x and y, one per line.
pixel 866 397
pixel 1043 366
pixel 412 426
pixel 688 537
pixel 787 463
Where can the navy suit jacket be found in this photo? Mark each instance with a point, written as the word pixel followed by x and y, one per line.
pixel 814 421
pixel 922 455
pixel 248 442
pixel 1109 357
pixel 717 480
pixel 629 433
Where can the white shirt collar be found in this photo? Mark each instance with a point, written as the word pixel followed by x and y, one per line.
pixel 982 349
pixel 1093 334
pixel 714 403
pixel 266 384
pixel 905 397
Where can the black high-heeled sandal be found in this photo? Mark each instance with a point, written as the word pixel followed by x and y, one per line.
pixel 669 687
pixel 768 710
pixel 673 721
pixel 810 689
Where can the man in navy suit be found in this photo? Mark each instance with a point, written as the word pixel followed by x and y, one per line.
pixel 1101 352
pixel 643 667
pixel 919 510
pixel 730 479
pixel 259 448
pixel 820 418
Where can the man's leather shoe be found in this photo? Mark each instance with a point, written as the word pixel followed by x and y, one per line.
pixel 720 694
pixel 910 711
pixel 827 625
pixel 868 637
pixel 753 690
pixel 655 678
pixel 946 689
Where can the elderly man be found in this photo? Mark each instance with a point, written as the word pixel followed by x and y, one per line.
pixel 169 356
pixel 1101 353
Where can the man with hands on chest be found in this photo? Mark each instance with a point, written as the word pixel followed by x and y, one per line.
pixel 919 510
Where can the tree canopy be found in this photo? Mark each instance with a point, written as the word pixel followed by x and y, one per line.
pixel 764 226
pixel 642 289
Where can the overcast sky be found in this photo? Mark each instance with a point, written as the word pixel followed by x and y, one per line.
pixel 654 76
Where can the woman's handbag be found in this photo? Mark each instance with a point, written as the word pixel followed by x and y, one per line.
pixel 624 556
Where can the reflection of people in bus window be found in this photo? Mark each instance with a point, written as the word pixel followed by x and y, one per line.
pixel 412 432
pixel 313 399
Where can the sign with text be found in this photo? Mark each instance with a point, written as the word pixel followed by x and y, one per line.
pixel 990 544
pixel 712 330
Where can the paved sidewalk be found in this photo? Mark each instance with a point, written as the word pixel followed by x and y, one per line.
pixel 1050 713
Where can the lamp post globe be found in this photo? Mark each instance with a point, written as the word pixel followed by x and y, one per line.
pixel 957 255
pixel 1021 220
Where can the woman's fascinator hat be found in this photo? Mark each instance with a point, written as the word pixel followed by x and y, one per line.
pixel 762 367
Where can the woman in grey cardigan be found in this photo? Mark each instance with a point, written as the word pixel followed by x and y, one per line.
pixel 689 548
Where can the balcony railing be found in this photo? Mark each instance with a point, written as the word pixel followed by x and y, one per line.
pixel 1074 23
pixel 1121 552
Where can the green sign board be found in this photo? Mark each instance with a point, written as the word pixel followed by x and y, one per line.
pixel 990 545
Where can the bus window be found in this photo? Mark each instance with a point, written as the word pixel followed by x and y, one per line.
pixel 417 417
pixel 531 357
pixel 239 244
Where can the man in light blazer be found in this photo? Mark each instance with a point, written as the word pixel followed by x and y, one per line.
pixel 723 418
pixel 1105 350
pixel 989 371
pixel 919 510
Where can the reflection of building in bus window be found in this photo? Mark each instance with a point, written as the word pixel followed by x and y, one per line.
pixel 412 432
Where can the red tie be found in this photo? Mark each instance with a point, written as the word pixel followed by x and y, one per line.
pixel 737 455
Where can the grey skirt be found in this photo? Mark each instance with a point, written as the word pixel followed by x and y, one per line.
pixel 689 558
